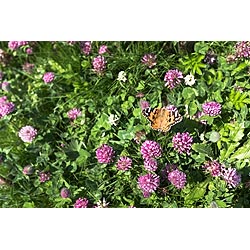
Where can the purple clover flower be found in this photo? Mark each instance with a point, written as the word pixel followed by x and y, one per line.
pixel 27 133
pixel 44 176
pixel 48 77
pixel 150 164
pixel 172 78
pixel 168 168
pixel 81 203
pixel 13 45
pixel 213 167
pixel 150 149
pixel 211 108
pixel 65 193
pixel 148 183
pixel 124 163
pixel 74 113
pixel 242 49
pixel 99 64
pixel 182 142
pixel 231 177
pixel 149 60
pixel 86 47
pixel 177 178
pixel 144 104
pixel 103 49
pixel 105 154
pixel 5 106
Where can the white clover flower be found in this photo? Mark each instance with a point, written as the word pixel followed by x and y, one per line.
pixel 102 204
pixel 112 119
pixel 189 80
pixel 122 76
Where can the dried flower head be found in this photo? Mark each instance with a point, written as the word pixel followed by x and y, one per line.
pixel 28 170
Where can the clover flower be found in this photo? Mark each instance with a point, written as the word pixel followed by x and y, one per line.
pixel 102 204
pixel 182 142
pixel 148 183
pixel 74 113
pixel 105 154
pixel 189 80
pixel 13 45
pixel 124 163
pixel 211 108
pixel 150 149
pixel 103 49
pixel 231 177
pixel 28 67
pixel 48 77
pixel 177 178
pixel 149 60
pixel 168 168
pixel 81 203
pixel 122 76
pixel 99 64
pixel 242 49
pixel 44 176
pixel 150 164
pixel 213 167
pixel 112 119
pixel 86 47
pixel 144 104
pixel 27 133
pixel 172 78
pixel 65 193
pixel 5 106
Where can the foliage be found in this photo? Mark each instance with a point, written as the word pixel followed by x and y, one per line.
pixel 67 148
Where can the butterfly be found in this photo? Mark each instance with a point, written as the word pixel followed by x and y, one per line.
pixel 162 119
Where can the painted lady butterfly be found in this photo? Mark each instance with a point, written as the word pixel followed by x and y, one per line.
pixel 162 119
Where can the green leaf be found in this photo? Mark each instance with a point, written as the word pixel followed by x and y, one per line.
pixel 196 193
pixel 203 149
pixel 28 205
pixel 189 93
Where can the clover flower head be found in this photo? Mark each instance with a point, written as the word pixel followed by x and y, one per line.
pixel 150 149
pixel 172 78
pixel 124 163
pixel 105 154
pixel 27 133
pixel 148 183
pixel 182 142
pixel 177 178
pixel 211 108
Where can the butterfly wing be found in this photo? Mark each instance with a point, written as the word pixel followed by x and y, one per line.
pixel 162 119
